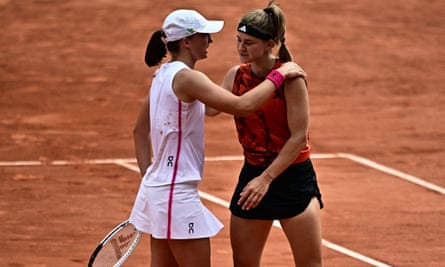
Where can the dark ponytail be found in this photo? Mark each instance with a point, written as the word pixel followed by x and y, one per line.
pixel 156 50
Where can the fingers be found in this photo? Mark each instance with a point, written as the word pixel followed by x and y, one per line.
pixel 294 70
pixel 250 198
pixel 303 73
pixel 249 201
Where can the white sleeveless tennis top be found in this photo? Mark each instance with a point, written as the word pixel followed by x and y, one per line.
pixel 177 132
pixel 168 205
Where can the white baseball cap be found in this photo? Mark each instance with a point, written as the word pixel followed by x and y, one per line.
pixel 182 23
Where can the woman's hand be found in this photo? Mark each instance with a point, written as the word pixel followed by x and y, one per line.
pixel 292 70
pixel 254 191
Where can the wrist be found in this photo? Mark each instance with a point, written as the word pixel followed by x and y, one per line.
pixel 268 177
pixel 276 77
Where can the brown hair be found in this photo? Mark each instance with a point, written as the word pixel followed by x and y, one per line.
pixel 270 21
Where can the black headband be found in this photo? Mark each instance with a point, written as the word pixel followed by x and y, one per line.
pixel 254 32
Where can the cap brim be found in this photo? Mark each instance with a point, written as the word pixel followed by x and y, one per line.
pixel 212 26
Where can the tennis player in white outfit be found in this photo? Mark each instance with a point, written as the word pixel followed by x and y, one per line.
pixel 169 139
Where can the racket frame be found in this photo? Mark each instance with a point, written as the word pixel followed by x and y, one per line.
pixel 108 237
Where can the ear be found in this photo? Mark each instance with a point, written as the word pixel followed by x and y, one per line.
pixel 186 42
pixel 271 43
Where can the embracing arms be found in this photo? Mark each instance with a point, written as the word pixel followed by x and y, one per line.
pixel 190 85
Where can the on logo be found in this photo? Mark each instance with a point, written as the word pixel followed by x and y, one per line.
pixel 191 228
pixel 170 161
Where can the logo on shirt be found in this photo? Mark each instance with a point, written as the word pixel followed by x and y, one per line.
pixel 191 228
pixel 170 161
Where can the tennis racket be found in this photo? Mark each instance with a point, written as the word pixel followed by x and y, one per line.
pixel 116 247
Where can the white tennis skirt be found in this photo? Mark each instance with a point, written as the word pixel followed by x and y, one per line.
pixel 177 214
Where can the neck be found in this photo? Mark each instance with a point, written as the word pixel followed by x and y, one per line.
pixel 187 60
pixel 262 68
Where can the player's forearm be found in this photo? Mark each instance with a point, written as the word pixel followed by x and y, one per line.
pixel 286 157
pixel 143 152
pixel 253 99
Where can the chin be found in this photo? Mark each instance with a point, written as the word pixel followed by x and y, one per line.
pixel 244 59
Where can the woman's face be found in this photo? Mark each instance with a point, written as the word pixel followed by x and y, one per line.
pixel 199 44
pixel 251 49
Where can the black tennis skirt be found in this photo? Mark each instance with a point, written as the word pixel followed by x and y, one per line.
pixel 289 194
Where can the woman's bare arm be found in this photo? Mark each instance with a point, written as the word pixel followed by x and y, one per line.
pixel 191 84
pixel 141 137
pixel 227 84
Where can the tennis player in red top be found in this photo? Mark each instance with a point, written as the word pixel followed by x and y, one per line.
pixel 277 180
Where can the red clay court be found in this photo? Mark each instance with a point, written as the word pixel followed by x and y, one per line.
pixel 72 78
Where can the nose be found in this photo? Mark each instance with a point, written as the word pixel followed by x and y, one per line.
pixel 241 46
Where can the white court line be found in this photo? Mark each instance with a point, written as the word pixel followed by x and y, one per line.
pixel 363 161
pixel 393 172
pixel 20 163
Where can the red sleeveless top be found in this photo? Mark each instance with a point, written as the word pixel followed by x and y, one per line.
pixel 263 133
